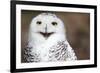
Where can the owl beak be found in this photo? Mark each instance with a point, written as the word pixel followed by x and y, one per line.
pixel 46 35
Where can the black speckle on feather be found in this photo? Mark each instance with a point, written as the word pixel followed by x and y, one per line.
pixel 29 56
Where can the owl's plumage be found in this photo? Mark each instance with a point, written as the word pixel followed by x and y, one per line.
pixel 47 40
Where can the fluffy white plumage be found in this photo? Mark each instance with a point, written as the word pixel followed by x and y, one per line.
pixel 47 40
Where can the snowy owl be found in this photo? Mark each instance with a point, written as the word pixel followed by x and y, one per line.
pixel 47 40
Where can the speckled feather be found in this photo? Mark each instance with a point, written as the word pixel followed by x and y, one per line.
pixel 58 52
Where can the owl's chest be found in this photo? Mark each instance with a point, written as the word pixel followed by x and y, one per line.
pixel 57 52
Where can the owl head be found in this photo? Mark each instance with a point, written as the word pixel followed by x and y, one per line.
pixel 47 24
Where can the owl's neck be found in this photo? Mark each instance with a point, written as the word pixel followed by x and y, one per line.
pixel 38 40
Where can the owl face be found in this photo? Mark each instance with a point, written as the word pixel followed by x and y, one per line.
pixel 47 24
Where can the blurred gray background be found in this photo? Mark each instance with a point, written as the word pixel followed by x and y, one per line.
pixel 76 24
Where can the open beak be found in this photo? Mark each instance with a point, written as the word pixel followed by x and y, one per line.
pixel 46 35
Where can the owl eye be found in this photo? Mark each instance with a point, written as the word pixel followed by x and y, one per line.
pixel 38 22
pixel 54 23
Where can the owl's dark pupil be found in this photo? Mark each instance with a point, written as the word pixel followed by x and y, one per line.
pixel 54 23
pixel 39 22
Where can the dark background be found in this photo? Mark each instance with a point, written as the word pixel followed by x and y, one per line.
pixel 76 24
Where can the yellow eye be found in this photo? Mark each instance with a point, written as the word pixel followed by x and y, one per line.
pixel 54 23
pixel 38 22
